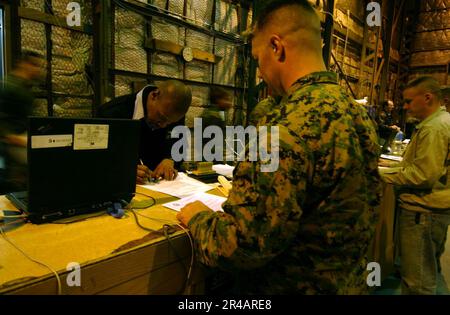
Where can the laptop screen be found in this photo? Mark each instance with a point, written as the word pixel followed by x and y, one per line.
pixel 74 163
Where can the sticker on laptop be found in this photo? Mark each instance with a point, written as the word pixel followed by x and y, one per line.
pixel 90 137
pixel 51 141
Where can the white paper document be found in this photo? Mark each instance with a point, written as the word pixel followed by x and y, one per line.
pixel 181 187
pixel 224 169
pixel 212 201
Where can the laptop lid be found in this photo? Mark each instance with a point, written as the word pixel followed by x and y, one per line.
pixel 77 164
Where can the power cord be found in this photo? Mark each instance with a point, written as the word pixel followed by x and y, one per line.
pixel 145 206
pixel 58 280
pixel 136 219
pixel 166 234
pixel 15 216
pixel 11 214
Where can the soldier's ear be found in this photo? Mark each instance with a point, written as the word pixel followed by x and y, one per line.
pixel 428 98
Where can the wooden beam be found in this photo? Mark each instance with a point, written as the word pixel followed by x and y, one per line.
pixel 374 76
pixel 397 17
pixel 12 44
pixel 352 36
pixel 102 52
pixel 46 18
pixel 154 77
pixel 377 76
pixel 328 33
pixel 362 66
pixel 432 49
pixel 343 75
pixel 170 47
pixel 395 55
pixel 448 73
pixel 370 57
pixel 427 65
pixel 49 72
pixel 252 94
pixel 387 49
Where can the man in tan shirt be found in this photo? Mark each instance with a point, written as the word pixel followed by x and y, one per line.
pixel 423 182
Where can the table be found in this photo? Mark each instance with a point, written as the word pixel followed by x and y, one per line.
pixel 115 255
pixel 383 246
pixel 118 257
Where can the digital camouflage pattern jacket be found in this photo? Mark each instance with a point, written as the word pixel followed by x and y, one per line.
pixel 305 228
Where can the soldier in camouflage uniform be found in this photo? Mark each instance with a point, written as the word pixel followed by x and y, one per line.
pixel 306 227
pixel 261 109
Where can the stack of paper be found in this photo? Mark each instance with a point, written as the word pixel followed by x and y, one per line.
pixel 213 202
pixel 181 187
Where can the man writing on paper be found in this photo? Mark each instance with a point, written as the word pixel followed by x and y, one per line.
pixel 423 182
pixel 159 108
pixel 306 227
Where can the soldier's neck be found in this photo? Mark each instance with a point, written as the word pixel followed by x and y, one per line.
pixel 300 68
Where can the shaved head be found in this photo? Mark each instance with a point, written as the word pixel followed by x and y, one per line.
pixel 294 20
pixel 426 84
pixel 179 94
pixel 286 43
pixel 422 97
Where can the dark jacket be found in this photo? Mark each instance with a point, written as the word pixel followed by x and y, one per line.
pixel 385 120
pixel 155 145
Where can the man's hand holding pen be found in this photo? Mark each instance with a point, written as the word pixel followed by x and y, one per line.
pixel 165 170
pixel 143 174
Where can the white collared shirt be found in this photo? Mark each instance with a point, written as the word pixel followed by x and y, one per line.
pixel 139 106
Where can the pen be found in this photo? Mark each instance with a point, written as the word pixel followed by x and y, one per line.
pixel 150 179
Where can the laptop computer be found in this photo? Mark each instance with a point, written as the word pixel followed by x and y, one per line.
pixel 78 166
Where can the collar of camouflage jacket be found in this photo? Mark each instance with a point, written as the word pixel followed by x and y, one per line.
pixel 313 78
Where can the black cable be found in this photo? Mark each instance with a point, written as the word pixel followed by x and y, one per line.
pixel 138 193
pixel 139 224
pixel 166 229
pixel 133 205
pixel 166 234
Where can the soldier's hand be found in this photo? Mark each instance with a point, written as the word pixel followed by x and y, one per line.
pixel 143 174
pixel 165 170
pixel 190 210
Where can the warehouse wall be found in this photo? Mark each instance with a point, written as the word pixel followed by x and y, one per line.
pixel 71 51
pixel 72 93
pixel 132 28
pixel 349 18
pixel 348 38
pixel 70 90
pixel 432 41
